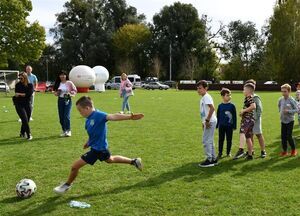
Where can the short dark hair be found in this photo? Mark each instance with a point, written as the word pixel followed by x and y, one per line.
pixel 250 85
pixel 202 83
pixel 225 91
pixel 85 101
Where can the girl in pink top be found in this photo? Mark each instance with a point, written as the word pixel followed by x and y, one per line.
pixel 125 92
pixel 64 89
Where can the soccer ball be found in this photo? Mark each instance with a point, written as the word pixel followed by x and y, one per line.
pixel 25 188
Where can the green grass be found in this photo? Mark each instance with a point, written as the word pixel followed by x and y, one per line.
pixel 169 141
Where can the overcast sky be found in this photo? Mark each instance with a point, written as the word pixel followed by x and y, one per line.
pixel 257 11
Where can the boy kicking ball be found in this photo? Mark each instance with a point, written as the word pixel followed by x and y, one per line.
pixel 96 128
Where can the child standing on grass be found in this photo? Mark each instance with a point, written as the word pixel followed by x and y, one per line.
pixel 96 128
pixel 287 107
pixel 226 121
pixel 247 122
pixel 209 122
pixel 257 128
pixel 298 101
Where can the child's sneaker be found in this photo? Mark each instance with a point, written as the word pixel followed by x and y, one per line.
pixel 63 134
pixel 68 134
pixel 29 137
pixel 283 154
pixel 294 153
pixel 228 155
pixel 137 162
pixel 239 154
pixel 62 188
pixel 249 157
pixel 263 154
pixel 207 163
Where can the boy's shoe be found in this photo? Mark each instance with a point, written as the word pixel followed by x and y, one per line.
pixel 207 163
pixel 68 134
pixel 215 162
pixel 249 157
pixel 239 154
pixel 137 162
pixel 29 137
pixel 283 154
pixel 22 135
pixel 19 120
pixel 62 188
pixel 294 153
pixel 31 119
pixel 63 134
pixel 121 112
pixel 228 155
pixel 263 154
pixel 246 154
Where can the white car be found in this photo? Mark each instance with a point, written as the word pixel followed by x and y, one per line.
pixel 4 87
pixel 271 83
pixel 156 85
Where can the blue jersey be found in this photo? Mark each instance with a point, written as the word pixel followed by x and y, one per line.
pixel 95 126
pixel 226 115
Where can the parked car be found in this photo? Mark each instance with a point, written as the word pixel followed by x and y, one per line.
pixel 4 87
pixel 151 79
pixel 271 83
pixel 112 85
pixel 170 83
pixel 156 85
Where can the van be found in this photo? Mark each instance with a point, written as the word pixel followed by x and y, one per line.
pixel 135 80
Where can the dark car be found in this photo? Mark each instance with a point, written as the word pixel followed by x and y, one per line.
pixel 170 83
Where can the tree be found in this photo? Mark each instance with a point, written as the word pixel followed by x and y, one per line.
pixel 178 26
pixel 130 43
pixel 283 47
pixel 20 41
pixel 241 46
pixel 83 32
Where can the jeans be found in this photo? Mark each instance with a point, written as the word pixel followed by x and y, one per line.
pixel 24 112
pixel 31 101
pixel 208 141
pixel 64 112
pixel 286 136
pixel 125 103
pixel 228 131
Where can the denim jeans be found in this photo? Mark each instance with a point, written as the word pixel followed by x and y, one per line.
pixel 64 112
pixel 125 103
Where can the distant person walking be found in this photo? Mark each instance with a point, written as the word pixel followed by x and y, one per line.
pixel 64 89
pixel 23 93
pixel 125 92
pixel 34 81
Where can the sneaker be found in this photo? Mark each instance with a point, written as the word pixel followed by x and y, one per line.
pixel 137 162
pixel 283 154
pixel 29 137
pixel 207 163
pixel 263 154
pixel 62 188
pixel 22 135
pixel 249 157
pixel 63 134
pixel 68 134
pixel 294 153
pixel 239 154
pixel 215 162
pixel 246 154
pixel 31 119
pixel 19 120
pixel 121 112
pixel 228 155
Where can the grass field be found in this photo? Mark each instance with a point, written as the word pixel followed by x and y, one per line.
pixel 169 141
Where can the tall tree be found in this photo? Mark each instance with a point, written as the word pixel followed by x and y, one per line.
pixel 84 30
pixel 283 47
pixel 130 45
pixel 20 41
pixel 179 27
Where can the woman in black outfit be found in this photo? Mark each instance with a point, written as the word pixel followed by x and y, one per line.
pixel 23 93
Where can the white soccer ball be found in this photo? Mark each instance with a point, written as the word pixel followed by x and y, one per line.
pixel 25 188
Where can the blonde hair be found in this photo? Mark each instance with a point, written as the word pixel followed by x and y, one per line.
pixel 287 87
pixel 123 75
pixel 25 77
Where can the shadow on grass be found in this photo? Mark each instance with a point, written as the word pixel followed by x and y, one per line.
pixel 19 140
pixel 8 121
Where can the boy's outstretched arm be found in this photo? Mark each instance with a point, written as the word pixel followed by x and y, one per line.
pixel 121 117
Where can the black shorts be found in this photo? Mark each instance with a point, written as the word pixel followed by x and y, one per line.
pixel 92 156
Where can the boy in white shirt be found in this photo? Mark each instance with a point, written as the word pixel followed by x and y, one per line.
pixel 209 122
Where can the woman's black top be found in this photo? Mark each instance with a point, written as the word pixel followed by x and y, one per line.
pixel 21 88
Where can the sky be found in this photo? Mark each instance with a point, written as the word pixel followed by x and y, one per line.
pixel 257 11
